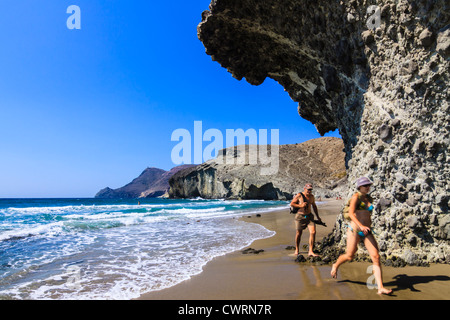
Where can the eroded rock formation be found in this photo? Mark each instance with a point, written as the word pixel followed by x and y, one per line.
pixel 318 161
pixel 384 88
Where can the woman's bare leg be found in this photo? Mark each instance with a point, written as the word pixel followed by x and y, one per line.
pixel 372 247
pixel 352 245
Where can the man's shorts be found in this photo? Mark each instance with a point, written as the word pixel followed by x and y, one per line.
pixel 302 220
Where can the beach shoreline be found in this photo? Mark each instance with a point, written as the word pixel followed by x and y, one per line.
pixel 274 274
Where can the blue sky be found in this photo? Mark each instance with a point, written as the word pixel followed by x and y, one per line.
pixel 84 109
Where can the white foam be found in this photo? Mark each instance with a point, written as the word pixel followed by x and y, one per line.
pixel 151 251
pixel 51 229
pixel 78 208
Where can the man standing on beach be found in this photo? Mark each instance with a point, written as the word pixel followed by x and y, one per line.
pixel 301 205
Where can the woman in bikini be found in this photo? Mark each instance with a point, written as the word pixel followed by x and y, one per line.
pixel 359 229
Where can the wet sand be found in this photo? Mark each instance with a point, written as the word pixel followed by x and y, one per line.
pixel 274 275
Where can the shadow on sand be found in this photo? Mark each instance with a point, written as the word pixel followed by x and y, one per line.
pixel 405 282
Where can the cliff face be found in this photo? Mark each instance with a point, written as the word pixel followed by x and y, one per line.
pixel 151 183
pixel 385 89
pixel 319 161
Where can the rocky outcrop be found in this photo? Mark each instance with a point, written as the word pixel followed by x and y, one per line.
pixel 319 161
pixel 151 183
pixel 380 75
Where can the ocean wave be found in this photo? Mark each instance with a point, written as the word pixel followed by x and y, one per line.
pixel 198 202
pixel 127 264
pixel 78 208
pixel 49 230
pixel 194 210
pixel 53 221
pixel 125 249
pixel 104 220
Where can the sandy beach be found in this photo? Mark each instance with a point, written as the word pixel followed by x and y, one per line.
pixel 274 275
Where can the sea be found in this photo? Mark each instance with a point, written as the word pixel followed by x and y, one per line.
pixel 97 249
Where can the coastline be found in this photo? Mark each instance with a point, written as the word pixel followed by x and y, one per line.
pixel 274 275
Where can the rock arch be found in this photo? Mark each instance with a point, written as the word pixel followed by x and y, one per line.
pixel 385 89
